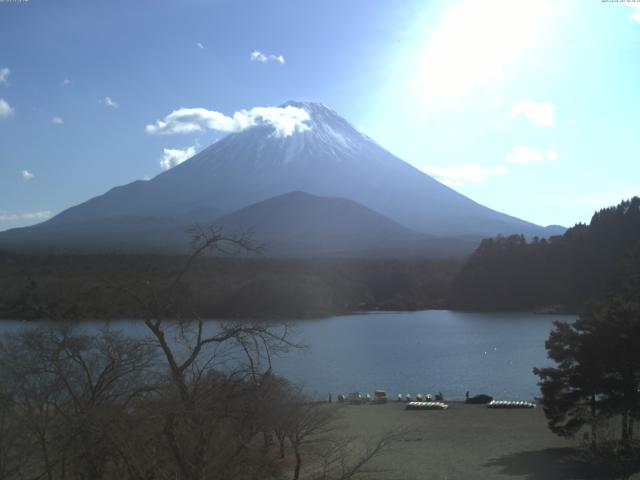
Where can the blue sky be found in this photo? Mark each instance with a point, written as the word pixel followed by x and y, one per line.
pixel 528 107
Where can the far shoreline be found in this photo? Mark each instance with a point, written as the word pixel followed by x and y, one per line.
pixel 276 319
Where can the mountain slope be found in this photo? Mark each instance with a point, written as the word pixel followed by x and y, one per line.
pixel 330 158
pixel 300 224
pixel 295 224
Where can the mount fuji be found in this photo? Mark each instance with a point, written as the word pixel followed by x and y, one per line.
pixel 327 160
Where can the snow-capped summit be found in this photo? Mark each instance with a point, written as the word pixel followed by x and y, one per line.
pixel 322 134
pixel 328 128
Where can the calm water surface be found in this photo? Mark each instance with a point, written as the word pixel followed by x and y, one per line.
pixel 413 352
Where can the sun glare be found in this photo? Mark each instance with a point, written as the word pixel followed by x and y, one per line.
pixel 475 45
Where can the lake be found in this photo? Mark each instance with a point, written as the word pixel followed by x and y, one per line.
pixel 413 352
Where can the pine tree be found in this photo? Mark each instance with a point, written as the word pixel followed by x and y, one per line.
pixel 597 372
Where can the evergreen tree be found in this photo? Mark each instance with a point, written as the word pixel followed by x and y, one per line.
pixel 572 393
pixel 597 372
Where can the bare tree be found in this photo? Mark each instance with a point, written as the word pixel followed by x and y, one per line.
pixel 12 436
pixel 315 431
pixel 212 370
pixel 70 391
pixel 309 423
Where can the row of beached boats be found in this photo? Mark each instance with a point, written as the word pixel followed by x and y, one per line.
pixel 426 406
pixel 356 398
pixel 510 404
pixel 493 404
pixel 380 396
pixel 427 397
pixel 427 402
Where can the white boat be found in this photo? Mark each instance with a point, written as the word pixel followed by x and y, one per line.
pixel 510 404
pixel 427 406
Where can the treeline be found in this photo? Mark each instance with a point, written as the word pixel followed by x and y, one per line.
pixel 559 274
pixel 101 286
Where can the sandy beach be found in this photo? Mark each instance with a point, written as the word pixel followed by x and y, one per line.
pixel 468 442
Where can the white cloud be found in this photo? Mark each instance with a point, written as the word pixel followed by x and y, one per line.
pixel 65 82
pixel 41 215
pixel 4 75
pixel 57 120
pixel 457 175
pixel 175 156
pixel 636 11
pixel 27 175
pixel 258 56
pixel 36 215
pixel 285 120
pixel 521 155
pixel 542 114
pixel 109 103
pixel 5 109
pixel 200 45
